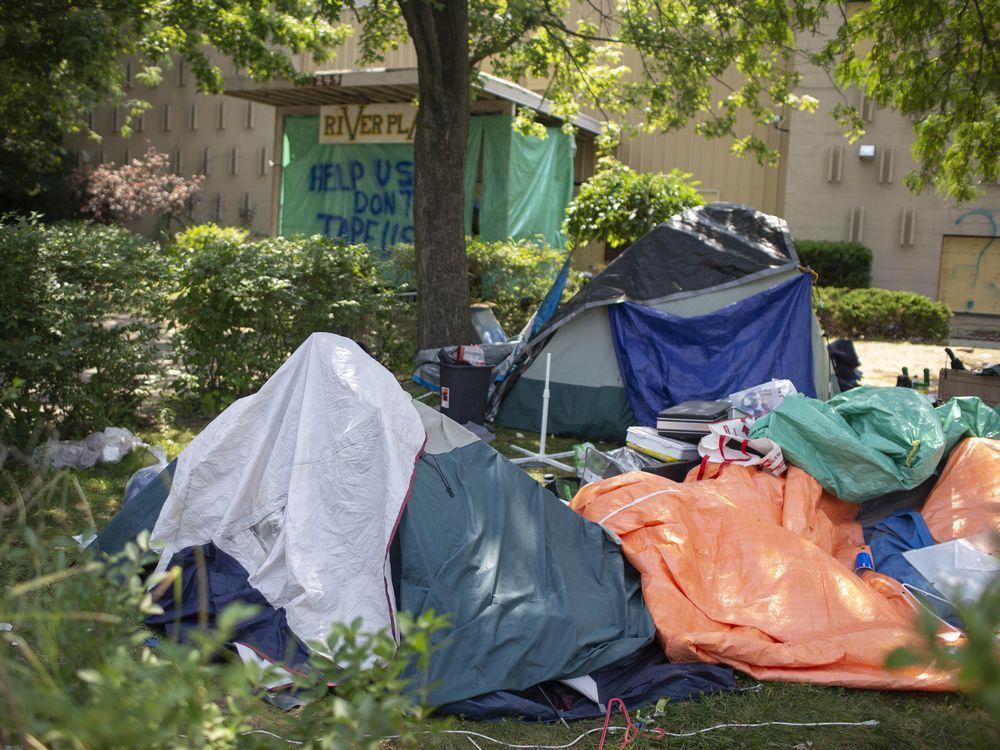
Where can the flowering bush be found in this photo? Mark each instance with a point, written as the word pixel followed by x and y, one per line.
pixel 116 194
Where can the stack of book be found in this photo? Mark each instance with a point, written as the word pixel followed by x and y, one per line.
pixel 678 430
pixel 647 440
pixel 690 421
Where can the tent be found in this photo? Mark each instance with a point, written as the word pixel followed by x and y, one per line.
pixel 706 304
pixel 330 495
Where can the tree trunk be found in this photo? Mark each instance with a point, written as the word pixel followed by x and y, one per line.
pixel 440 32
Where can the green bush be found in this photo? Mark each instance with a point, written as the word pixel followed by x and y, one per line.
pixel 243 307
pixel 76 670
pixel 618 205
pixel 76 337
pixel 512 276
pixel 840 264
pixel 882 314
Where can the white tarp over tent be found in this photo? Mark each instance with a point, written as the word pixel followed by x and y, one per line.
pixel 303 484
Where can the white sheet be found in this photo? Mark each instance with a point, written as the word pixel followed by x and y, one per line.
pixel 303 483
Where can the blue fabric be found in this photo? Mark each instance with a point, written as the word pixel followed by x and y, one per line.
pixel 665 359
pixel 890 538
pixel 638 683
pixel 549 304
pixel 226 582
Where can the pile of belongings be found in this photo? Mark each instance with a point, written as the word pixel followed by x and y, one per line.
pixel 331 495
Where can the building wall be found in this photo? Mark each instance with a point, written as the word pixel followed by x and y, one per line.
pixel 833 194
pixel 228 140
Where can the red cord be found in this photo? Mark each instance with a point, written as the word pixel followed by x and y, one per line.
pixel 632 731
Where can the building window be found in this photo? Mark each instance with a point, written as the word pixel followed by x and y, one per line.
pixel 181 72
pixel 264 162
pixel 206 161
pixel 168 116
pixel 193 119
pixel 178 161
pixel 218 208
pixel 234 161
pixel 251 115
pixel 221 123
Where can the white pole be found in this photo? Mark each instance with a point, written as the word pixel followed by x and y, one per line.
pixel 545 404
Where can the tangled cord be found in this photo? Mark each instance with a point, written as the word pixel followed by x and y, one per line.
pixel 631 729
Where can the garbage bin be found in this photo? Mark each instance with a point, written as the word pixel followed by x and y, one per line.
pixel 464 389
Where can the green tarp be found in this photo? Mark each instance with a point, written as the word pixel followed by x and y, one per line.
pixel 364 192
pixel 868 442
pixel 527 183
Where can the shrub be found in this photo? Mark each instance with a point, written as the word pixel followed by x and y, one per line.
pixel 146 186
pixel 77 670
pixel 618 205
pixel 882 314
pixel 76 341
pixel 840 264
pixel 512 276
pixel 243 307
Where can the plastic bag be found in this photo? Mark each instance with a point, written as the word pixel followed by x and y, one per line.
pixel 106 447
pixel 861 444
pixel 728 442
pixel 599 465
pixel 762 399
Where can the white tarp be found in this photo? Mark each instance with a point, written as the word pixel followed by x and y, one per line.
pixel 303 483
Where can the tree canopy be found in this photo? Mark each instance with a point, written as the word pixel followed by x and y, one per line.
pixel 645 65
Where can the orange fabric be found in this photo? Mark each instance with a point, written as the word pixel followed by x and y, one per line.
pixel 755 571
pixel 966 499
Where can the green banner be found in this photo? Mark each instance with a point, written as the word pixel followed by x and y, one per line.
pixel 362 193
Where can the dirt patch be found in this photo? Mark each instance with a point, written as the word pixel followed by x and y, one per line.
pixel 882 361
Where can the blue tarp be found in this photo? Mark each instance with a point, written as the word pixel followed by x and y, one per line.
pixel 640 682
pixel 890 538
pixel 665 359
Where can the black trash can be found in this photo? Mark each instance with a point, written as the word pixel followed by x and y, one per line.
pixel 464 389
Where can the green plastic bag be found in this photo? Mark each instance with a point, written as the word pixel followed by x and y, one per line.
pixel 861 444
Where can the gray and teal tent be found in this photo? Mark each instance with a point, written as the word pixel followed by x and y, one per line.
pixel 330 495
pixel 707 304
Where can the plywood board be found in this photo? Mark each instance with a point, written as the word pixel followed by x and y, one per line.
pixel 970 274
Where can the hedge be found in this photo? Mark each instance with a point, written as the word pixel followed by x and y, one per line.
pixel 241 308
pixel 838 264
pixel 882 314
pixel 77 309
pixel 512 276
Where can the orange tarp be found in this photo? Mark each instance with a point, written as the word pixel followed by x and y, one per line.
pixel 965 501
pixel 756 572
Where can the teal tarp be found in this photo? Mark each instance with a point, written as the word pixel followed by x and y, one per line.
pixel 868 442
pixel 967 416
pixel 527 182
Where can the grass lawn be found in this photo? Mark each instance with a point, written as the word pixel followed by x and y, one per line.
pixel 70 502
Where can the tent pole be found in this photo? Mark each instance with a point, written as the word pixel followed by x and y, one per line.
pixel 530 457
pixel 545 404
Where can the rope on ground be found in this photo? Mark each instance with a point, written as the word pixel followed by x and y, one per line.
pixel 631 731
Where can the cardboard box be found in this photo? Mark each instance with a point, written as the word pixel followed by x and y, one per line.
pixel 963 383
